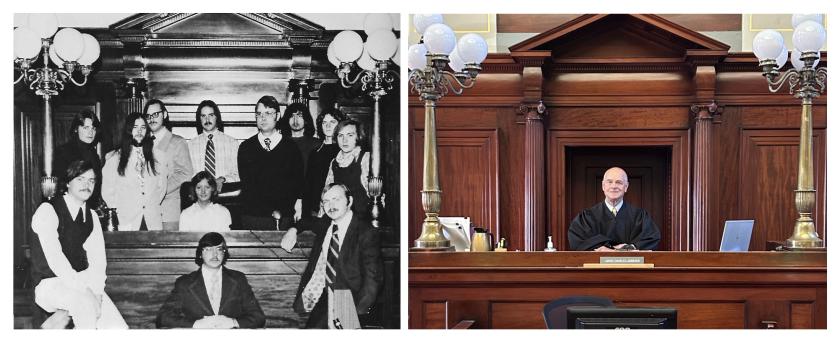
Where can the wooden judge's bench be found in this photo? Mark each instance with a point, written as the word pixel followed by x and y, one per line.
pixel 710 290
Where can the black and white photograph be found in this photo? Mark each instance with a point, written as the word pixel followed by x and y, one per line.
pixel 206 170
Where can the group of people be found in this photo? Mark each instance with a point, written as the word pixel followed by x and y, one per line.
pixel 68 267
pixel 280 170
pixel 287 177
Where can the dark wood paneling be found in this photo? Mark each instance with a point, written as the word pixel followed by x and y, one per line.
pixel 469 160
pixel 766 194
pixel 709 289
pixel 532 23
pixel 434 315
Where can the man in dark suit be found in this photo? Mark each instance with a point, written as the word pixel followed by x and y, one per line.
pixel 213 296
pixel 345 256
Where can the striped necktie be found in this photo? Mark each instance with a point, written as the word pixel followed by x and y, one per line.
pixel 267 142
pixel 210 156
pixel 332 257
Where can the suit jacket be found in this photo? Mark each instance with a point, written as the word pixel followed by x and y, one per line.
pixel 359 263
pixel 189 302
pixel 131 201
pixel 182 171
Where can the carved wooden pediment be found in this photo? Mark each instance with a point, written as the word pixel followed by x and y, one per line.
pixel 246 30
pixel 619 39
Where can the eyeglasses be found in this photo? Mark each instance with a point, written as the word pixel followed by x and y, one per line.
pixel 154 115
pixel 265 115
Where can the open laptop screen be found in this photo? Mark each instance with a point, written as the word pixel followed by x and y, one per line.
pixel 736 235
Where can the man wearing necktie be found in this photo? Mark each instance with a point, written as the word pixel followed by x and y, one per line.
pixel 345 256
pixel 212 296
pixel 68 256
pixel 613 224
pixel 271 171
pixel 212 150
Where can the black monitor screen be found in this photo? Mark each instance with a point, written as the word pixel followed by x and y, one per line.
pixel 621 318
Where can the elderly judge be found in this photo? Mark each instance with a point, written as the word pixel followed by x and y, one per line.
pixel 613 224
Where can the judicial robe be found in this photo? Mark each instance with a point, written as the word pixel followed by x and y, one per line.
pixel 596 226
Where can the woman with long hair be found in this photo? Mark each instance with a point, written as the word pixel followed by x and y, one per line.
pixel 134 177
pixel 204 214
pixel 318 164
pixel 351 165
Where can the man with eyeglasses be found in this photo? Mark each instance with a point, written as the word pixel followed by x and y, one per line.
pixel 613 224
pixel 345 256
pixel 213 296
pixel 271 172
pixel 213 150
pixel 68 256
pixel 176 148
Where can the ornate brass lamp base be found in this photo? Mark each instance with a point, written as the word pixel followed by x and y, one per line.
pixel 804 234
pixel 432 238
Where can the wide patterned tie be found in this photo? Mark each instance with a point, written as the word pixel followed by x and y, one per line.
pixel 267 142
pixel 332 257
pixel 215 295
pixel 210 156
pixel 612 209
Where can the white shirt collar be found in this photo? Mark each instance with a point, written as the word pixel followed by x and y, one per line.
pixel 617 207
pixel 214 132
pixel 209 272
pixel 275 136
pixel 161 134
pixel 73 206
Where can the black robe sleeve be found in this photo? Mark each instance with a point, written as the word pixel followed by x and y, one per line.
pixel 584 232
pixel 646 232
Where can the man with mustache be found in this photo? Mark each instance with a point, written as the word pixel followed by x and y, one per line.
pixel 176 148
pixel 613 224
pixel 213 296
pixel 68 256
pixel 345 256
pixel 213 150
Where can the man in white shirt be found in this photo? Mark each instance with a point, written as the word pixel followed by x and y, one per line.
pixel 345 256
pixel 213 150
pixel 68 255
pixel 198 301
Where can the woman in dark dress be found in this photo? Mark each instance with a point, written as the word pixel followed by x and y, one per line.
pixel 351 165
pixel 319 160
pixel 81 146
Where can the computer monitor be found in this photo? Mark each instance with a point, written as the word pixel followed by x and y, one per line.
pixel 621 318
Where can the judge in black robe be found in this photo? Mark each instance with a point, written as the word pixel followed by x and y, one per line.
pixel 596 227
pixel 613 223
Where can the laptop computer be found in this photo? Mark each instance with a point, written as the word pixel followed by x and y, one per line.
pixel 736 235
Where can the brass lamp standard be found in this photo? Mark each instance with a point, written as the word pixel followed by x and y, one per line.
pixel 806 82
pixel 429 78
pixel 69 51
pixel 376 80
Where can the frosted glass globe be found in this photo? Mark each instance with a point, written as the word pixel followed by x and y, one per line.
pixel 377 21
pixel 797 19
pixel 348 46
pixel 91 50
pixel 768 44
pixel 809 36
pixel 439 39
pixel 366 62
pixel 782 58
pixel 455 61
pixel 68 44
pixel 417 56
pixel 423 21
pixel 472 48
pixel 381 44
pixel 331 54
pixel 396 57
pixel 44 24
pixel 27 43
pixel 798 64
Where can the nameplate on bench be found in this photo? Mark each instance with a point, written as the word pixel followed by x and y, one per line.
pixel 620 262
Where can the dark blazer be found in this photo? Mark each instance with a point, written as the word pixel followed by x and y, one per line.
pixel 188 302
pixel 359 264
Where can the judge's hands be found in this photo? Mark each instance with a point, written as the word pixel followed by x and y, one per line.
pixel 216 322
pixel 604 249
pixel 616 248
pixel 289 240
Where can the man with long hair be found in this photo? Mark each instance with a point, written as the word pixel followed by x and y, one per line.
pixel 134 177
pixel 301 128
pixel 176 148
pixel 68 255
pixel 84 135
pixel 213 150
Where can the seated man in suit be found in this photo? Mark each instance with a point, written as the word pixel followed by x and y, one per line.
pixel 345 256
pixel 213 296
pixel 613 224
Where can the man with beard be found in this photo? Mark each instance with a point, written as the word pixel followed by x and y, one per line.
pixel 213 296
pixel 345 256
pixel 213 150
pixel 176 148
pixel 613 224
pixel 271 169
pixel 68 256
pixel 134 178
